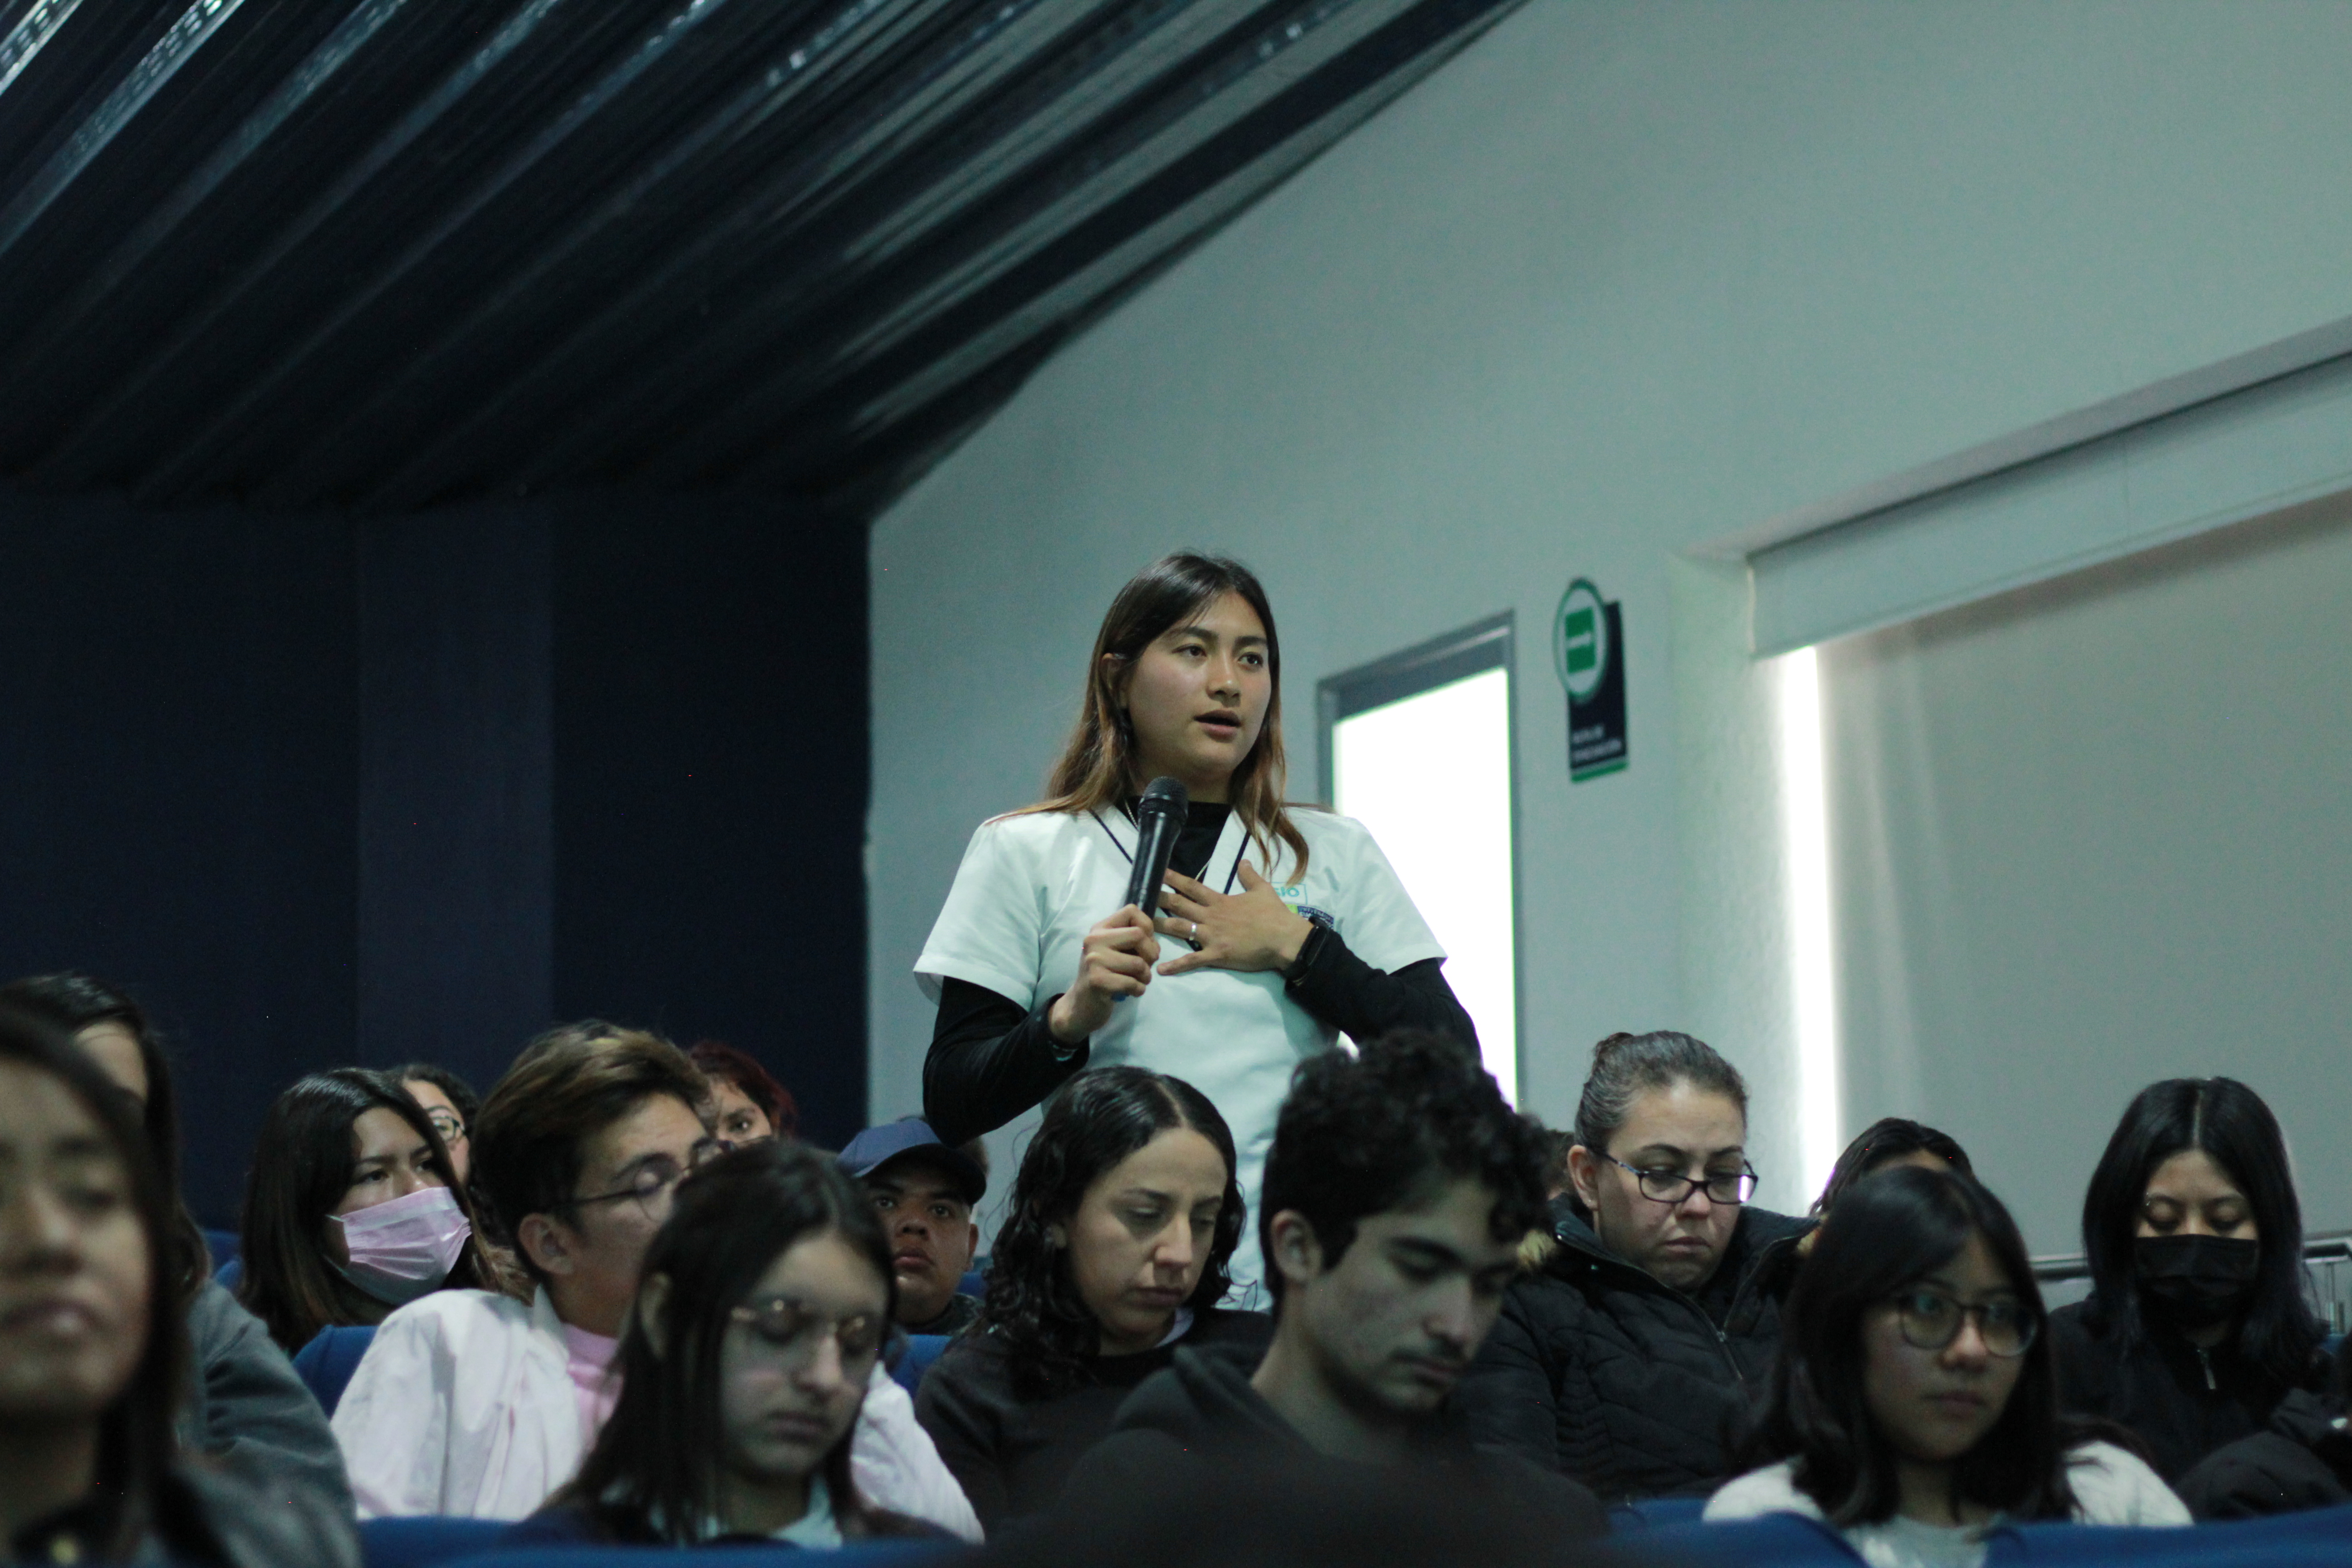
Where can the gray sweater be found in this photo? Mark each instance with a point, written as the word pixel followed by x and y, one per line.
pixel 250 1410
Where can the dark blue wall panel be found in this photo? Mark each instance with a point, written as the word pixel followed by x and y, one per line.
pixel 178 759
pixel 322 790
pixel 710 765
pixel 455 787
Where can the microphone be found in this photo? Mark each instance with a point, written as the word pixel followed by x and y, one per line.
pixel 1159 818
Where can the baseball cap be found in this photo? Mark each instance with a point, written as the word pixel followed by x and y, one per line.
pixel 877 1146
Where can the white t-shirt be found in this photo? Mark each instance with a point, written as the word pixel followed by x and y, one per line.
pixel 1031 886
pixel 2110 1486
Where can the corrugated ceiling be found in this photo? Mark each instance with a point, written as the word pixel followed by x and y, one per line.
pixel 394 252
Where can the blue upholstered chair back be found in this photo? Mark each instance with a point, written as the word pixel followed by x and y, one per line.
pixel 327 1363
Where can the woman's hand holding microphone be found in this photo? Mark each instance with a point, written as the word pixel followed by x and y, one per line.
pixel 1114 961
pixel 1251 929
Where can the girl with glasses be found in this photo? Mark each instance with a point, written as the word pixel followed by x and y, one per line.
pixel 760 1320
pixel 1914 1405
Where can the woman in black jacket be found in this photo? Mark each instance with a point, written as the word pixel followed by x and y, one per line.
pixel 2303 1460
pixel 1627 1358
pixel 2197 1326
pixel 1113 1254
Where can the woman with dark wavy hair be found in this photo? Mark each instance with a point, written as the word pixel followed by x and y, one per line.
pixel 1114 1252
pixel 1913 1405
pixel 1279 930
pixel 2198 1324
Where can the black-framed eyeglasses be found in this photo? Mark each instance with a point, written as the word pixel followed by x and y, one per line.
pixel 654 1182
pixel 446 1124
pixel 1930 1320
pixel 791 1331
pixel 1675 1187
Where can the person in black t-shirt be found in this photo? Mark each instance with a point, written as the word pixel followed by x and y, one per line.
pixel 1123 1219
pixel 1398 1190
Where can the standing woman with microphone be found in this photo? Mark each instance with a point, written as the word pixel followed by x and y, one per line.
pixel 1278 930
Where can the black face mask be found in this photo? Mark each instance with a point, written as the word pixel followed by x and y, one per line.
pixel 2197 1281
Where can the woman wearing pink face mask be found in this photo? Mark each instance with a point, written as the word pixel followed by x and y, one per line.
pixel 351 1209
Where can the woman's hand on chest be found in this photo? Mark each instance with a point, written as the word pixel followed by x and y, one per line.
pixel 1250 931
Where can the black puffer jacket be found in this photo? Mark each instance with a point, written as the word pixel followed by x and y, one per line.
pixel 1634 1388
pixel 2181 1401
pixel 2302 1460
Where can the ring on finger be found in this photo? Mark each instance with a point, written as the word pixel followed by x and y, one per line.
pixel 1194 938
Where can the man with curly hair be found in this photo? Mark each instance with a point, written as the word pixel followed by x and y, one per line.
pixel 1397 1193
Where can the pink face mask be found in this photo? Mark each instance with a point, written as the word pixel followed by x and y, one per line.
pixel 403 1249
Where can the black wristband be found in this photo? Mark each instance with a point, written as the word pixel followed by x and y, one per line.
pixel 1308 951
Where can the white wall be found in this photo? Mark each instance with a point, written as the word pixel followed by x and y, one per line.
pixel 1622 279
pixel 2093 835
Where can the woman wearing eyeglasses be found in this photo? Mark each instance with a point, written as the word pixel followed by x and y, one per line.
pixel 759 1323
pixel 449 1103
pixel 1914 1405
pixel 1625 1357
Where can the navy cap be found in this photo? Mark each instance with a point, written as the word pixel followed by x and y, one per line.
pixel 877 1146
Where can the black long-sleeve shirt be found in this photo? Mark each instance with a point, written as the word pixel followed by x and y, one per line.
pixel 990 1059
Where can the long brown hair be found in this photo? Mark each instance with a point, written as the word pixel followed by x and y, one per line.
pixel 1097 766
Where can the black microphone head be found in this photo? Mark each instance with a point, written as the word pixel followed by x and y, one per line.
pixel 1165 797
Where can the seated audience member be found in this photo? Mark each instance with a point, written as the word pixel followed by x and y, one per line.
pixel 2303 1460
pixel 1626 1356
pixel 1396 1194
pixel 765 1304
pixel 479 1404
pixel 246 1405
pixel 1889 1140
pixel 2197 1325
pixel 92 1348
pixel 352 1209
pixel 924 1193
pixel 450 1104
pixel 1555 1145
pixel 750 1104
pixel 1892 1140
pixel 1913 1405
pixel 1123 1219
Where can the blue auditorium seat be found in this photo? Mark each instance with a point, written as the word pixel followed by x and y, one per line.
pixel 1649 1513
pixel 865 1554
pixel 225 1246
pixel 423 1542
pixel 327 1363
pixel 1777 1541
pixel 2324 1535
pixel 921 1350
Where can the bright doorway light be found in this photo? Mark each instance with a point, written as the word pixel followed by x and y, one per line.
pixel 1804 805
pixel 1430 774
